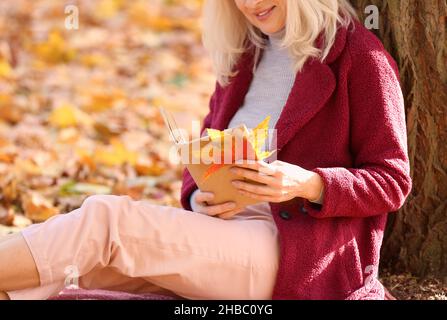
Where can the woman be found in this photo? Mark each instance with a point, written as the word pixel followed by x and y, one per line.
pixel 334 96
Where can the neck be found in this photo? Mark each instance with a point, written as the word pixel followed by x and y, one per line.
pixel 278 34
pixel 276 38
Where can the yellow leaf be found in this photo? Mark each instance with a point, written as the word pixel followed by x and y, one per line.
pixel 67 115
pixel 263 125
pixel 101 101
pixel 215 135
pixel 107 9
pixel 64 116
pixel 5 69
pixel 27 167
pixel 93 60
pixel 259 136
pixel 148 15
pixel 161 23
pixel 55 49
pixel 116 154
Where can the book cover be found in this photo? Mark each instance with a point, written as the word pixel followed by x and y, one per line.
pixel 208 160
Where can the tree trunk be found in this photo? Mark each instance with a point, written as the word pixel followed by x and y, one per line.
pixel 414 32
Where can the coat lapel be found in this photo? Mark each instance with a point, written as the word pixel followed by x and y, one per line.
pixel 312 88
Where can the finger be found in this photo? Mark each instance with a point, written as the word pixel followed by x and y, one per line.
pixel 262 190
pixel 251 164
pixel 255 176
pixel 260 166
pixel 246 162
pixel 204 196
pixel 230 214
pixel 220 208
pixel 259 197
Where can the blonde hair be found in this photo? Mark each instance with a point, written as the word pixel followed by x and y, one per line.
pixel 226 32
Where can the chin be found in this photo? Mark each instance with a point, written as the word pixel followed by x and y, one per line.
pixel 270 29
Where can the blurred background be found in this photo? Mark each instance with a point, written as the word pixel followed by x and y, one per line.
pixel 78 109
pixel 78 113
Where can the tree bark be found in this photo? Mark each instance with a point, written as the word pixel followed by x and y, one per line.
pixel 414 32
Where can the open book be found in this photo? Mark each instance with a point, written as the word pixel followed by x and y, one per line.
pixel 209 163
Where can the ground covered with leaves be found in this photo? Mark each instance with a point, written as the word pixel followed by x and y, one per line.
pixel 78 108
pixel 408 287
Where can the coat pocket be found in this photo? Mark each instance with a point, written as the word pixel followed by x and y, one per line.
pixel 351 258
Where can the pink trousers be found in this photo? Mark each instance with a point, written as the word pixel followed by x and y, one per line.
pixel 116 243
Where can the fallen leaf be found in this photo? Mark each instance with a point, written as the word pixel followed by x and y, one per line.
pixel 64 116
pixel 256 138
pixel 6 216
pixel 37 208
pixel 5 69
pixel 107 9
pixel 55 49
pixel 135 192
pixel 9 111
pixel 114 155
pixel 149 168
pixel 21 221
pixel 84 188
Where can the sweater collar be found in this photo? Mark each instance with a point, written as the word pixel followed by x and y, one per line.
pixel 311 90
pixel 275 39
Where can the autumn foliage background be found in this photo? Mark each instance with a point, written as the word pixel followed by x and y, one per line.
pixel 78 108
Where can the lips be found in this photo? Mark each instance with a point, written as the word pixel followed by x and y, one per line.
pixel 264 13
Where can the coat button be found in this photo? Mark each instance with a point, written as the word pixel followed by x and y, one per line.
pixel 303 209
pixel 285 215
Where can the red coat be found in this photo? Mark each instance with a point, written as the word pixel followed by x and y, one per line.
pixel 345 120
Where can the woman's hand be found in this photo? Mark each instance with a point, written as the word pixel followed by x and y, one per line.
pixel 224 210
pixel 283 181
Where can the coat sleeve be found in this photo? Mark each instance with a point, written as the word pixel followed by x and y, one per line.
pixel 379 180
pixel 188 184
